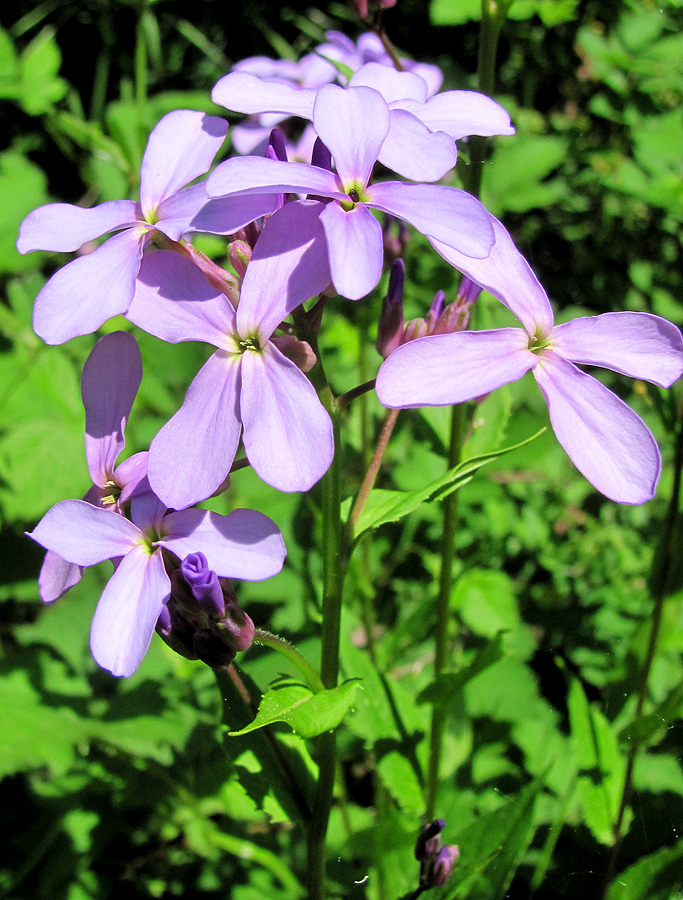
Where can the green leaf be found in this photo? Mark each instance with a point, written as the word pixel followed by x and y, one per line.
pixel 23 186
pixel 39 64
pixel 441 691
pixel 486 601
pixel 654 877
pixel 307 713
pixel 457 12
pixel 601 766
pixel 390 506
pixel 514 182
pixel 651 728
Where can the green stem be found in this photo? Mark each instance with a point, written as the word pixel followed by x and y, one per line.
pixel 292 654
pixel 663 565
pixel 373 468
pixel 450 521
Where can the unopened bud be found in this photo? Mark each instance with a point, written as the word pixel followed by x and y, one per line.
pixel 434 311
pixel 204 584
pixel 299 352
pixel 249 234
pixel 239 255
pixel 428 840
pixel 468 291
pixel 445 862
pixel 277 148
pixel 390 325
pixel 321 156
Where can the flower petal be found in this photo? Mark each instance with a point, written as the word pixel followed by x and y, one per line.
pixel 289 265
pixel 175 302
pixel 414 152
pixel 355 247
pixel 131 476
pixel 244 544
pixel 390 83
pixel 352 123
pixel 85 534
pixel 246 93
pixel 110 381
pixel 607 442
pixel 287 432
pixel 241 175
pixel 226 216
pixel 181 147
pixel 507 276
pixel 63 227
pixel 443 213
pixel 57 576
pixel 128 610
pixel 636 344
pixel 443 369
pixel 191 456
pixel 82 295
pixel 462 113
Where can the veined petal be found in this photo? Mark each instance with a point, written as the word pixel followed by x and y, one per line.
pixel 636 344
pixel 82 295
pixel 355 247
pixel 110 381
pixel 191 456
pixel 507 276
pixel 390 83
pixel 287 432
pixel 85 534
pixel 246 93
pixel 181 147
pixel 443 213
pixel 462 113
pixel 131 476
pixel 177 211
pixel 289 265
pixel 226 216
pixel 63 227
pixel 443 369
pixel 128 610
pixel 607 442
pixel 244 544
pixel 241 175
pixel 175 302
pixel 413 151
pixel 352 123
pixel 57 576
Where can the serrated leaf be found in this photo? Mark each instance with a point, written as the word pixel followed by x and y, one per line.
pixel 390 506
pixel 307 713
pixel 654 877
pixel 650 728
pixel 441 691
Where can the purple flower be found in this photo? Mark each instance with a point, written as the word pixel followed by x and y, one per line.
pixel 354 123
pixel 244 545
pixel 86 292
pixel 607 442
pixel 248 385
pixel 111 378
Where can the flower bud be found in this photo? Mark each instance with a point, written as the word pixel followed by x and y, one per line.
pixel 239 254
pixel 299 352
pixel 277 148
pixel 390 325
pixel 203 583
pixel 321 156
pixel 428 840
pixel 445 862
pixel 468 292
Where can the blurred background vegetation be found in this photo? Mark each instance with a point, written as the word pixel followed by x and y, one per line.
pixel 124 785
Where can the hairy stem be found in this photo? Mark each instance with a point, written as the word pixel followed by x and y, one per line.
pixel 373 468
pixel 292 654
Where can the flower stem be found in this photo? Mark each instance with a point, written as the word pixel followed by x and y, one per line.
pixel 292 654
pixel 450 520
pixel 329 661
pixel 373 468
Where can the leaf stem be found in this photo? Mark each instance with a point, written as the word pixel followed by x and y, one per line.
pixel 292 654
pixel 373 468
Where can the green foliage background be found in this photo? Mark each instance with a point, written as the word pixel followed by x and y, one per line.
pixel 114 785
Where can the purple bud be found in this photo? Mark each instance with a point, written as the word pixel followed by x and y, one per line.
pixel 276 146
pixel 445 862
pixel 203 583
pixel 416 328
pixel 239 254
pixel 299 352
pixel 468 291
pixel 321 156
pixel 434 311
pixel 428 840
pixel 236 630
pixel 390 325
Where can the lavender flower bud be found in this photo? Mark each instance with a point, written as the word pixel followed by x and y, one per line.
pixel 299 352
pixel 390 325
pixel 321 156
pixel 203 583
pixel 428 840
pixel 276 146
pixel 468 291
pixel 445 862
pixel 239 254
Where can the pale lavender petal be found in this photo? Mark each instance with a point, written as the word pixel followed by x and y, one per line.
pixel 509 277
pixel 246 93
pixel 390 83
pixel 607 442
pixel 461 113
pixel 356 249
pixel 413 151
pixel 443 369
pixel 431 75
pixel 443 213
pixel 243 174
pixel 289 265
pixel 265 67
pixel 191 456
pixel 250 137
pixel 147 511
pixel 636 344
pixel 57 576
pixel 352 123
pixel 180 148
pixel 63 227
pixel 245 544
pixel 287 432
pixel 85 534
pixel 128 610
pixel 82 295
pixel 131 476
pixel 226 216
pixel 175 302
pixel 110 381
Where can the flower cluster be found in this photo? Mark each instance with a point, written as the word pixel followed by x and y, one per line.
pixel 301 228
